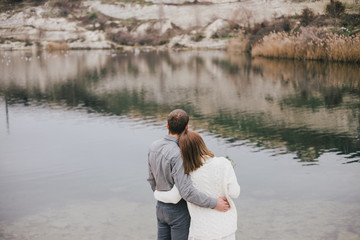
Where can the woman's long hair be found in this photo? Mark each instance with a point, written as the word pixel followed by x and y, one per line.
pixel 193 151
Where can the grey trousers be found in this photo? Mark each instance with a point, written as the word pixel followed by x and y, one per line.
pixel 173 220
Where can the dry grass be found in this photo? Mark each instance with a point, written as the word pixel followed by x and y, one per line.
pixel 311 75
pixel 238 45
pixel 309 44
pixel 55 46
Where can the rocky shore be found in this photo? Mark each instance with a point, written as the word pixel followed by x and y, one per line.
pixel 107 24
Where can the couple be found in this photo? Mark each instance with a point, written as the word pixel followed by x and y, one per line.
pixel 186 177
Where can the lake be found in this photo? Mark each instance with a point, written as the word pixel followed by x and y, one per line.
pixel 75 128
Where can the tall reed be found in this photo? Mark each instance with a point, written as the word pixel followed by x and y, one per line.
pixel 309 44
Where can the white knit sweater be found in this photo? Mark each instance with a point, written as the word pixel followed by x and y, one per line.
pixel 215 178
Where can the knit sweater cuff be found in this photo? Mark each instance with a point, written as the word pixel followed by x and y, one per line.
pixel 213 203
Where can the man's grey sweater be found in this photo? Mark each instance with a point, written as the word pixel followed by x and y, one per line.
pixel 166 169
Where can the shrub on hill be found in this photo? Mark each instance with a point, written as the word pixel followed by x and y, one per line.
pixel 335 9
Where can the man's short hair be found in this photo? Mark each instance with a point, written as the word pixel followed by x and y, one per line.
pixel 177 121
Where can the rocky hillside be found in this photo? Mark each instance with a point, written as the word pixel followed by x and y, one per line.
pixel 76 24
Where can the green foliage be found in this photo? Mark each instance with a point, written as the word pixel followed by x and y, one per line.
pixel 93 16
pixel 350 21
pixel 198 37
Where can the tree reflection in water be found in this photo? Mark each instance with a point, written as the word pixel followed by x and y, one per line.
pixel 308 108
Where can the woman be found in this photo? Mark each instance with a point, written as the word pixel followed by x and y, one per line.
pixel 214 176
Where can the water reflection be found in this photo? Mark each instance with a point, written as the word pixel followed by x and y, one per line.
pixel 308 108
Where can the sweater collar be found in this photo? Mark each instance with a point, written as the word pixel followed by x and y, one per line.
pixel 171 138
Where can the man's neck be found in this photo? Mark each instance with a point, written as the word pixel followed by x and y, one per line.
pixel 174 135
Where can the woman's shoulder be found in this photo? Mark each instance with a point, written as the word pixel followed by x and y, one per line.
pixel 220 161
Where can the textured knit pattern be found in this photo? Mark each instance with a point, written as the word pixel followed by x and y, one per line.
pixel 215 178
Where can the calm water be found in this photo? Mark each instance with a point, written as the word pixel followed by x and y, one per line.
pixel 75 128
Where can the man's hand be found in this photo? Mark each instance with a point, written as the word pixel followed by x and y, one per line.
pixel 222 204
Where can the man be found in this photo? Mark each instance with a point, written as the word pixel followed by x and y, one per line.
pixel 165 170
